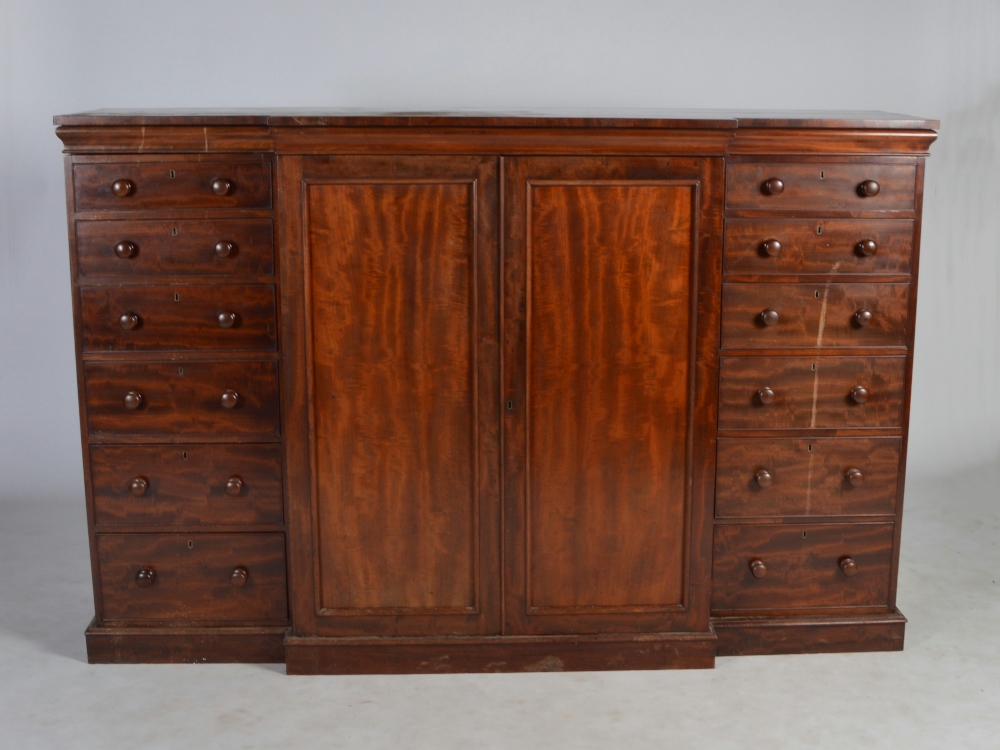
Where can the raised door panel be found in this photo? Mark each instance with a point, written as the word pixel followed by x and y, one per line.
pixel 404 403
pixel 601 402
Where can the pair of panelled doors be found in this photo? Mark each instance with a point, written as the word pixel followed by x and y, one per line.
pixel 508 404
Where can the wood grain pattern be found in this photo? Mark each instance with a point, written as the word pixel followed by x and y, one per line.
pixel 826 246
pixel 394 264
pixel 821 186
pixel 179 317
pixel 608 388
pixel 808 477
pixel 187 484
pixel 192 577
pixel 179 247
pixel 813 315
pixel 802 566
pixel 182 398
pixel 809 398
pixel 172 185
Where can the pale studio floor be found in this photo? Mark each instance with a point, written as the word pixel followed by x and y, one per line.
pixel 943 691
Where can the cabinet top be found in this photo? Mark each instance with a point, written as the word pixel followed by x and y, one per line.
pixel 563 118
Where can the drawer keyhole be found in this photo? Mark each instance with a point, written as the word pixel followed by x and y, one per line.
pixel 177 296
pixel 173 231
pixel 173 174
pixel 822 174
pixel 184 455
pixel 819 229
pixel 804 534
pixel 191 543
pixel 815 294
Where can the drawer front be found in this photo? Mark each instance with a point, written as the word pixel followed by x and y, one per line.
pixel 133 318
pixel 810 392
pixel 770 477
pixel 820 186
pixel 187 484
pixel 184 398
pixel 183 247
pixel 825 246
pixel 803 566
pixel 197 184
pixel 767 315
pixel 194 576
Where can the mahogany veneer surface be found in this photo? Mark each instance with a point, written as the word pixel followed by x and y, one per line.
pixel 431 392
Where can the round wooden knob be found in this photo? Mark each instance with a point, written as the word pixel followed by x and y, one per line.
pixel 848 567
pixel 866 248
pixel 125 249
pixel 133 400
pixel 128 321
pixel 224 249
pixel 122 188
pixel 769 317
pixel 863 317
pixel 773 186
pixel 758 568
pixel 868 189
pixel 227 319
pixel 859 393
pixel 145 578
pixel 771 247
pixel 238 578
pixel 230 398
pixel 221 186
pixel 138 486
pixel 766 395
pixel 234 486
pixel 855 477
pixel 763 479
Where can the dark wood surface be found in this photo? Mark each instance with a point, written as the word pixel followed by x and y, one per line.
pixel 806 477
pixel 803 566
pixel 182 398
pixel 820 246
pixel 476 321
pixel 813 315
pixel 805 397
pixel 225 317
pixel 186 484
pixel 181 247
pixel 821 186
pixel 192 577
pixel 172 185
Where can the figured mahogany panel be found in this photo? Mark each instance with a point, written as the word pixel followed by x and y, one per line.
pixel 392 285
pixel 134 318
pixel 820 186
pixel 187 484
pixel 193 577
pixel 799 566
pixel 769 315
pixel 810 392
pixel 777 477
pixel 127 185
pixel 183 247
pixel 181 398
pixel 609 338
pixel 827 246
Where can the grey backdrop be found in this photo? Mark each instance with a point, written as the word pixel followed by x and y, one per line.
pixel 932 59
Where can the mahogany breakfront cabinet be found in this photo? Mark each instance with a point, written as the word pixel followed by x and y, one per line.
pixel 425 393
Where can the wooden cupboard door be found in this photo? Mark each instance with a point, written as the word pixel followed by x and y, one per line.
pixel 403 368
pixel 605 517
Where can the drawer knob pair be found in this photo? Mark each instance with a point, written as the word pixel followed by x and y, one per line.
pixel 847 566
pixel 146 577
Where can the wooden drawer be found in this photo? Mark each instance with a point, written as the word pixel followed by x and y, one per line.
pixel 132 318
pixel 806 477
pixel 826 246
pixel 172 184
pixel 182 398
pixel 181 247
pixel 810 392
pixel 804 566
pixel 820 186
pixel 194 576
pixel 766 315
pixel 187 484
